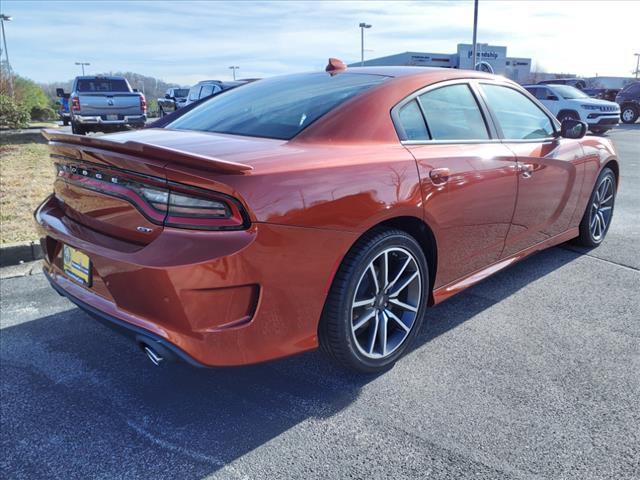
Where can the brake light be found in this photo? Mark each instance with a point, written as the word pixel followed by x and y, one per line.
pixel 170 204
pixel 75 104
pixel 143 104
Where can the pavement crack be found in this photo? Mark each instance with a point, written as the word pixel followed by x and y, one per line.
pixel 584 254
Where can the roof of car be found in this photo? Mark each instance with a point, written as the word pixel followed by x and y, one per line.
pixel 404 71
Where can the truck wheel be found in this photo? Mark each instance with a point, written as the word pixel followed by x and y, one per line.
pixel 629 114
pixel 161 111
pixel 65 122
pixel 77 129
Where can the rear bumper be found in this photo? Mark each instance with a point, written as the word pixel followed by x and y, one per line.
pixel 117 324
pixel 221 298
pixel 98 120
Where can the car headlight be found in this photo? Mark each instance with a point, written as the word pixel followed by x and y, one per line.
pixel 590 107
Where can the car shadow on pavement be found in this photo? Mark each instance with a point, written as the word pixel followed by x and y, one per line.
pixel 79 401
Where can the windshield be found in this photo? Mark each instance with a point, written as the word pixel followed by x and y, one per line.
pixel 278 107
pixel 181 92
pixel 102 85
pixel 568 92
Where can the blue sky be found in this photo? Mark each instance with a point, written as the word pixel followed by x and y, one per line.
pixel 183 42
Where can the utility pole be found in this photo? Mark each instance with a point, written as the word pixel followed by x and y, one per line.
pixel 6 18
pixel 362 27
pixel 475 32
pixel 637 64
pixel 234 68
pixel 82 64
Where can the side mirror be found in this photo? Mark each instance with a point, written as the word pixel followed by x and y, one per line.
pixel 59 92
pixel 135 90
pixel 167 96
pixel 552 97
pixel 570 128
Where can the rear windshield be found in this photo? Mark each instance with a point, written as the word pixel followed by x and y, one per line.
pixel 102 85
pixel 278 107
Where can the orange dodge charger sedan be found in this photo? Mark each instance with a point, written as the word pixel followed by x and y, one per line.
pixel 327 208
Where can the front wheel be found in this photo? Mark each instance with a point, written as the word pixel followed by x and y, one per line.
pixel 377 302
pixel 599 213
pixel 629 115
pixel 65 122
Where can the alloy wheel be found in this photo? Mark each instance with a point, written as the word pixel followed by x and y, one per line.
pixel 386 303
pixel 628 114
pixel 601 209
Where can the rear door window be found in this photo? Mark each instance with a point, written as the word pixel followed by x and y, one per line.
pixel 452 113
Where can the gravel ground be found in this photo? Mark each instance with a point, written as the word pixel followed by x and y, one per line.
pixel 535 373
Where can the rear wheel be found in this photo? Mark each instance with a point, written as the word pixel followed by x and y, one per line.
pixel 377 302
pixel 77 129
pixel 65 122
pixel 597 217
pixel 629 114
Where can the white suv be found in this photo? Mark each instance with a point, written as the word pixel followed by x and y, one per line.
pixel 565 102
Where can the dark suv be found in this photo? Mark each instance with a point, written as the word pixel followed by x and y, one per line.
pixel 629 101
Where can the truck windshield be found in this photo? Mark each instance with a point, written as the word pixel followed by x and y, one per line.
pixel 278 107
pixel 102 85
pixel 181 92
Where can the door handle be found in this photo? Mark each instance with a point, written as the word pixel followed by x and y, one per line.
pixel 439 176
pixel 526 169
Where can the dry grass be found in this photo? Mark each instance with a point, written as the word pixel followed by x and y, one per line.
pixel 26 178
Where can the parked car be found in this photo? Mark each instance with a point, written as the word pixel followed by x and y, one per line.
pixel 207 88
pixel 174 99
pixel 602 93
pixel 63 106
pixel 315 209
pixel 568 102
pixel 579 83
pixel 629 101
pixel 103 104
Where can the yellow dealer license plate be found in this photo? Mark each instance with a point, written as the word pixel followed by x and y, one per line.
pixel 76 265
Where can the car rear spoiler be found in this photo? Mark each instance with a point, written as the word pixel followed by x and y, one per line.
pixel 147 150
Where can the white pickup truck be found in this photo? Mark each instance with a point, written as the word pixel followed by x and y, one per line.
pixel 105 104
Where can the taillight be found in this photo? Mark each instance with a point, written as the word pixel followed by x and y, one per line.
pixel 75 104
pixel 171 204
pixel 143 104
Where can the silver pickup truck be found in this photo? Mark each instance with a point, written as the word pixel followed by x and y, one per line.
pixel 104 104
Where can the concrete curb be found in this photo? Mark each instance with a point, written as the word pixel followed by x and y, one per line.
pixel 16 253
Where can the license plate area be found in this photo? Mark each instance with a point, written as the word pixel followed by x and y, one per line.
pixel 76 265
pixel 112 117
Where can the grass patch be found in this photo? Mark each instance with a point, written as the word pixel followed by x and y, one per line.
pixel 26 178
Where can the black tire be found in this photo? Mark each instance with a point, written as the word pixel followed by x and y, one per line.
pixel 65 122
pixel 629 114
pixel 337 333
pixel 567 115
pixel 161 112
pixel 77 129
pixel 590 236
pixel 599 131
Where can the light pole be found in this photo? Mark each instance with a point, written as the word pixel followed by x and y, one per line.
pixel 637 64
pixel 82 64
pixel 475 32
pixel 362 27
pixel 234 68
pixel 6 18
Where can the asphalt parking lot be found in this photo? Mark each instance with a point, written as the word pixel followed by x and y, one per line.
pixel 534 373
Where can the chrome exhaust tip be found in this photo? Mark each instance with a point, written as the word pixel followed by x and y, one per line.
pixel 152 355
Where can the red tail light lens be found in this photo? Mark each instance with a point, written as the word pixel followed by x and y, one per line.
pixel 171 204
pixel 143 104
pixel 75 104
